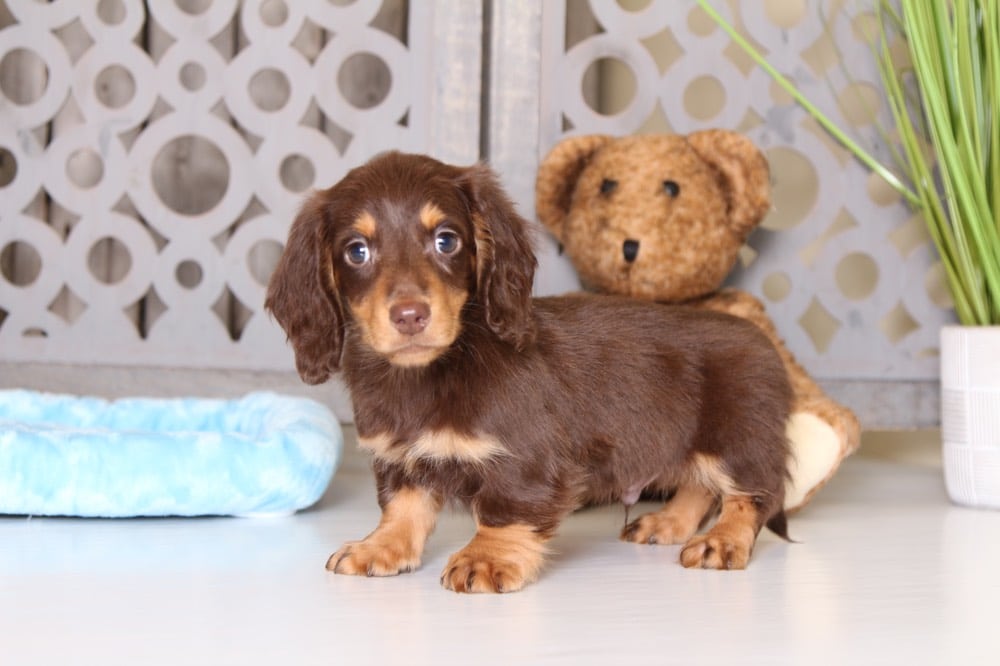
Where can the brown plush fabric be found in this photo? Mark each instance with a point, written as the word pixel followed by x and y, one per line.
pixel 663 217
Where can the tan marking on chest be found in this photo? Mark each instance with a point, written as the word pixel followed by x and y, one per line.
pixel 379 444
pixel 436 446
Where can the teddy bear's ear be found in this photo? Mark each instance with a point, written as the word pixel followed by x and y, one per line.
pixel 744 170
pixel 557 176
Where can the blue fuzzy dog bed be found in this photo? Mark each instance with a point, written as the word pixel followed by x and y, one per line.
pixel 262 454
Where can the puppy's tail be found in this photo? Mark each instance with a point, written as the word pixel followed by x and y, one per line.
pixel 778 524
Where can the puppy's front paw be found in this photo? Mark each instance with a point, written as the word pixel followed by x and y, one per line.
pixel 714 551
pixel 373 557
pixel 481 573
pixel 498 559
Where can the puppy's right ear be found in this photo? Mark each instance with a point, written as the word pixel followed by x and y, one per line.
pixel 557 176
pixel 303 299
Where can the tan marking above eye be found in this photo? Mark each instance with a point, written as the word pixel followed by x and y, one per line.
pixel 365 224
pixel 431 216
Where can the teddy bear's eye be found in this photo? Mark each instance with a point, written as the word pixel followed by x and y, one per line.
pixel 608 186
pixel 671 188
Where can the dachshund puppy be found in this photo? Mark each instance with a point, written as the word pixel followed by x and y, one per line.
pixel 413 279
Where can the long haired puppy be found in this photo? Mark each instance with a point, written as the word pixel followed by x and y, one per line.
pixel 412 279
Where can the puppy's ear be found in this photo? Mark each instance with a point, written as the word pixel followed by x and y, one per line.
pixel 557 176
pixel 505 261
pixel 743 169
pixel 303 300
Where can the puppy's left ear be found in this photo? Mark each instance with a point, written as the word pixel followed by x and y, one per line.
pixel 505 260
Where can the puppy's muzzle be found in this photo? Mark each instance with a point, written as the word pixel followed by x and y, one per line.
pixel 410 317
pixel 630 250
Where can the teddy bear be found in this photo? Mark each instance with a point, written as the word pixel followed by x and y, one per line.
pixel 662 217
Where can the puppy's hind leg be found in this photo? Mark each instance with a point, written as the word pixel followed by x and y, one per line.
pixel 676 522
pixel 730 541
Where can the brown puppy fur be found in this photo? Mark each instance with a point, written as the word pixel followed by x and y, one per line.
pixel 413 278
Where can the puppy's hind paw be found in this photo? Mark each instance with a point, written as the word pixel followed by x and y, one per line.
pixel 657 529
pixel 709 551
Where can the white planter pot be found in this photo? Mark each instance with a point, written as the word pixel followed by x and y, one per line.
pixel 970 413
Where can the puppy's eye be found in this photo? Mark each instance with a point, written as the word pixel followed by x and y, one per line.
pixel 671 188
pixel 447 242
pixel 608 186
pixel 358 253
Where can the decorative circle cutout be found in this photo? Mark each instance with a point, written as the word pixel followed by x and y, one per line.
pixel 8 167
pixel 620 79
pixel 284 63
pixel 263 259
pixel 191 76
pixel 188 274
pixel 114 87
pixel 857 276
pixel 704 98
pixel 96 163
pixel 184 18
pixel 85 168
pixel 643 67
pixel 13 64
pixel 269 90
pixel 364 80
pixel 329 95
pixel 53 54
pixel 190 175
pixel 130 93
pixel 109 260
pixel 239 185
pixel 24 176
pixel 20 263
pixel 117 282
pixel 297 173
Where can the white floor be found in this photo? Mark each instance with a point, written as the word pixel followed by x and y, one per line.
pixel 885 571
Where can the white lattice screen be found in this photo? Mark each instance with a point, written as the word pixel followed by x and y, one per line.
pixel 153 155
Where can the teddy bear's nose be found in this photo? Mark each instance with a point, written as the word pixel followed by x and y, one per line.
pixel 631 250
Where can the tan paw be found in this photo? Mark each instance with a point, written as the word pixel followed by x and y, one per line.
pixel 656 528
pixel 373 557
pixel 498 559
pixel 714 551
pixel 467 573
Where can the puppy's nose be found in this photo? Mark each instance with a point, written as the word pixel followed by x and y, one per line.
pixel 631 250
pixel 410 317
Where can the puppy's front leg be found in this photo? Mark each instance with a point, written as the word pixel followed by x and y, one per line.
pixel 397 543
pixel 498 559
